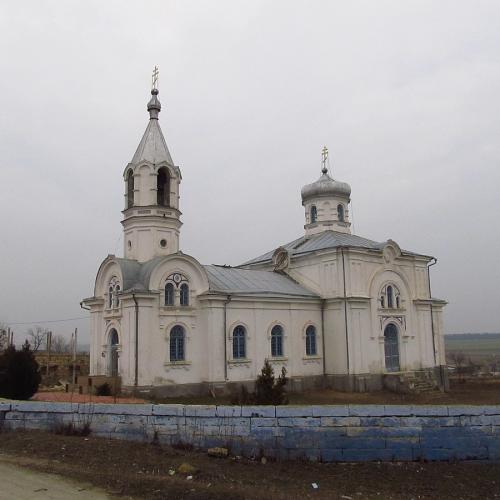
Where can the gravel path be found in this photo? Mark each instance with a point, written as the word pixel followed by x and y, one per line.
pixel 23 484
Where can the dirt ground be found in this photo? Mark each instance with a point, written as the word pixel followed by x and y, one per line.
pixel 141 471
pixel 82 398
pixel 473 391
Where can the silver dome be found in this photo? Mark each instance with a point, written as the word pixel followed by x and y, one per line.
pixel 326 186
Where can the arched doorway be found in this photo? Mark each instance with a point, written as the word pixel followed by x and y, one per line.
pixel 113 353
pixel 391 348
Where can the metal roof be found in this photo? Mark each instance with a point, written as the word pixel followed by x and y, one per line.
pixel 222 279
pixel 153 147
pixel 233 280
pixel 320 241
pixel 324 241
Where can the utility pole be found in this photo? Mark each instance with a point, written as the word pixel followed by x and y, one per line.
pixel 49 344
pixel 75 341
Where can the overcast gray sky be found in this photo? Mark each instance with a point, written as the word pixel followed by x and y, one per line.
pixel 405 95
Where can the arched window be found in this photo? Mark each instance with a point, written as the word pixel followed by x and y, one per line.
pixel 177 343
pixel 169 294
pixel 116 296
pixel 113 337
pixel 184 295
pixel 311 341
pixel 314 214
pixel 130 189
pixel 239 347
pixel 277 341
pixel 340 213
pixel 110 297
pixel 113 342
pixel 391 348
pixel 163 187
pixel 390 297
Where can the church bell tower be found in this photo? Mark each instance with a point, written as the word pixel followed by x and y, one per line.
pixel 151 223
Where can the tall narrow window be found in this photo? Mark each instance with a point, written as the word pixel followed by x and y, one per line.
pixel 116 296
pixel 177 343
pixel 169 294
pixel 239 348
pixel 130 189
pixel 110 297
pixel 390 297
pixel 340 213
pixel 277 341
pixel 163 187
pixel 314 214
pixel 311 341
pixel 184 295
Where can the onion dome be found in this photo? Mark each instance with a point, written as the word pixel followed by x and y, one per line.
pixel 154 106
pixel 325 186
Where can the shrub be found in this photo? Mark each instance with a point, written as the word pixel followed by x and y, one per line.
pixel 103 390
pixel 268 390
pixel 70 429
pixel 19 373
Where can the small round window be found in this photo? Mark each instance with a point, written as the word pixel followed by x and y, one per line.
pixel 163 243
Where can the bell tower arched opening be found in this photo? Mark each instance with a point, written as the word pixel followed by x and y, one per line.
pixel 130 189
pixel 163 187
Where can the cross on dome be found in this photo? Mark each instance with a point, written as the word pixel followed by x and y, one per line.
pixel 154 78
pixel 324 158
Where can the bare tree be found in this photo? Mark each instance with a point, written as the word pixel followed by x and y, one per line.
pixel 60 344
pixel 458 359
pixel 3 336
pixel 37 337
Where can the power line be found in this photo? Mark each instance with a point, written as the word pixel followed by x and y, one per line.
pixel 48 321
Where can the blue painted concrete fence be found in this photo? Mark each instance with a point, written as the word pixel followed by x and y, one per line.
pixel 327 433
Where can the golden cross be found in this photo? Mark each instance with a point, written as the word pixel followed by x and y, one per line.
pixel 324 155
pixel 154 79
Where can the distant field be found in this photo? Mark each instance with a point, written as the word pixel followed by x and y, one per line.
pixel 479 344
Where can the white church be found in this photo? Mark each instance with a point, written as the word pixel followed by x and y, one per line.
pixel 335 309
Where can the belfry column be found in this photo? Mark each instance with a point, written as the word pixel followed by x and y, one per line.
pixel 151 223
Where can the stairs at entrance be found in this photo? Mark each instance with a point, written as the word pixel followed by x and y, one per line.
pixel 411 383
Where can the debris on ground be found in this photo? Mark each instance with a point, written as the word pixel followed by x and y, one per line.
pixel 263 460
pixel 186 468
pixel 218 452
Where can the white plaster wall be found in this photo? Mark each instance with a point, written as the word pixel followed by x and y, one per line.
pixel 258 318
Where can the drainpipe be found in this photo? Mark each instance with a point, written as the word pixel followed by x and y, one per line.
pixel 432 315
pixel 136 350
pixel 226 302
pixel 323 302
pixel 345 313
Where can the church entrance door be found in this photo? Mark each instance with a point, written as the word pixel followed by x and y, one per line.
pixel 391 348
pixel 113 353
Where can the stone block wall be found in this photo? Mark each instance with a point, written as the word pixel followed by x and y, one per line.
pixel 326 433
